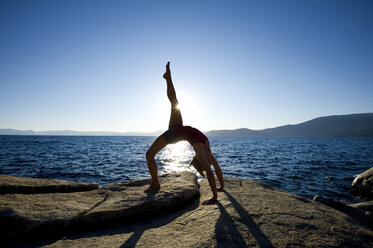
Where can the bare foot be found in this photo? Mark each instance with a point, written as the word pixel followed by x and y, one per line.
pixel 152 187
pixel 167 74
pixel 213 199
pixel 220 188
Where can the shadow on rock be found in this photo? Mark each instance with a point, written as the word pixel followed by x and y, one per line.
pixel 229 233
pixel 137 228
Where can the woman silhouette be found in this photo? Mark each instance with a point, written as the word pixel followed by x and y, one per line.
pixel 177 132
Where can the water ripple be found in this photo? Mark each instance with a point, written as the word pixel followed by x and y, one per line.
pixel 304 166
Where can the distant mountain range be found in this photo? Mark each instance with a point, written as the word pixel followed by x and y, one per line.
pixel 354 125
pixel 75 133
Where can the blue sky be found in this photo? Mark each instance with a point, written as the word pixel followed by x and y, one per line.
pixel 98 65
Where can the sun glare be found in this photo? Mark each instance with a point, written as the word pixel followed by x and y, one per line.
pixel 188 108
pixel 175 158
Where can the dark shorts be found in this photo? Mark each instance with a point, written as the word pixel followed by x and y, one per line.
pixel 170 135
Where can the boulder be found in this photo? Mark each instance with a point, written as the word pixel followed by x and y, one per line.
pixel 366 209
pixel 25 185
pixel 127 201
pixel 358 211
pixel 364 182
pixel 247 213
pixel 42 215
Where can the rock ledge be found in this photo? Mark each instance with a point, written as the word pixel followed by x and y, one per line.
pixel 248 213
pixel 26 185
pixel 47 214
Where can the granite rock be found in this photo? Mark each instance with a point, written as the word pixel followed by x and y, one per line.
pixel 363 206
pixel 127 201
pixel 248 213
pixel 364 182
pixel 25 185
pixel 360 211
pixel 44 213
pixel 49 214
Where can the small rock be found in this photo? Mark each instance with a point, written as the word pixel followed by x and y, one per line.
pixel 328 178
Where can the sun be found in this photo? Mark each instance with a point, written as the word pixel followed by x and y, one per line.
pixel 188 107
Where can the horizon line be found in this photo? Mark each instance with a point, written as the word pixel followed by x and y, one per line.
pixel 162 130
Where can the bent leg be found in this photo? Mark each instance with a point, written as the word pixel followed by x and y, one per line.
pixel 157 145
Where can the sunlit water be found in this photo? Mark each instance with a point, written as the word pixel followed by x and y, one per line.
pixel 175 158
pixel 304 166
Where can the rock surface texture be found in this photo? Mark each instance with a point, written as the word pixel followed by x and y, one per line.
pixel 51 213
pixel 25 185
pixel 127 200
pixel 248 213
pixel 44 213
pixel 363 211
pixel 364 182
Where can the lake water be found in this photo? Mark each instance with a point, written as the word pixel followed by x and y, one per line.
pixel 303 166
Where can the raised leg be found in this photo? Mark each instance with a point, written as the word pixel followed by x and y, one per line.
pixel 175 119
pixel 157 145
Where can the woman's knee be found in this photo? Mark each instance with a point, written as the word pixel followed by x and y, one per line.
pixel 157 145
pixel 150 154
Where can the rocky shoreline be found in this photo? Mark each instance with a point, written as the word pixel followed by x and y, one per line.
pixel 55 213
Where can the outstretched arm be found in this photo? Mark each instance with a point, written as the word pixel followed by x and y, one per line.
pixel 217 168
pixel 218 172
pixel 211 179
